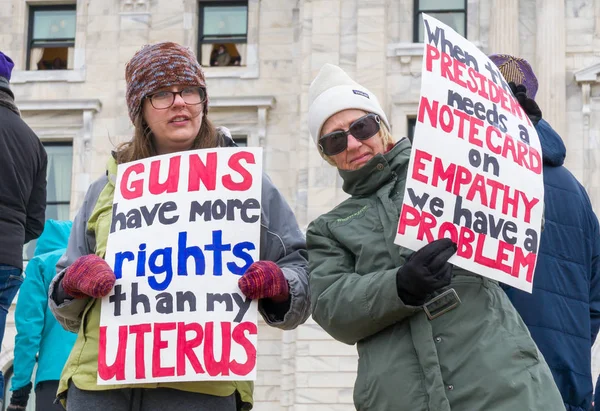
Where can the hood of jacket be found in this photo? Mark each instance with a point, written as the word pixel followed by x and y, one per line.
pixel 54 237
pixel 553 148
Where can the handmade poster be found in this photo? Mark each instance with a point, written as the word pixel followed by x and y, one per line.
pixel 184 228
pixel 475 172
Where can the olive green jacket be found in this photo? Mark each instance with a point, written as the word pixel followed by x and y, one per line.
pixel 477 356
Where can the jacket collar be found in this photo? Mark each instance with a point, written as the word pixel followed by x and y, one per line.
pixel 378 170
pixel 8 101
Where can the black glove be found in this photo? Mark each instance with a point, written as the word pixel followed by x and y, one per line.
pixel 529 105
pixel 425 271
pixel 18 401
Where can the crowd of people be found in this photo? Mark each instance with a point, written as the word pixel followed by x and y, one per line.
pixel 429 335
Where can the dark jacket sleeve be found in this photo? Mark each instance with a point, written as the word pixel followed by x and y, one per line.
pixel 595 282
pixel 67 310
pixel 36 206
pixel 283 243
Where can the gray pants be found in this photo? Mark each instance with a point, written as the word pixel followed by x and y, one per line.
pixel 140 399
pixel 45 393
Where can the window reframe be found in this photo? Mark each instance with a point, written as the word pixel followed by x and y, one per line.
pixel 411 125
pixel 61 144
pixel 417 18
pixel 54 42
pixel 226 38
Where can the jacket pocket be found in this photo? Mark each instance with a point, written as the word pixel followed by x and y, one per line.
pixel 515 329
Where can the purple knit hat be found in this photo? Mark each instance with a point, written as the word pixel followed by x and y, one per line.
pixel 160 65
pixel 6 66
pixel 517 70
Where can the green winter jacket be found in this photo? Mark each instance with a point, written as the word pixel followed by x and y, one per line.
pixel 477 356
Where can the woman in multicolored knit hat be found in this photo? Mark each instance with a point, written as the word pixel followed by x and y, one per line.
pixel 168 105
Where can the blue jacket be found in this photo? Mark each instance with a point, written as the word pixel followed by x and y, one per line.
pixel 38 332
pixel 563 312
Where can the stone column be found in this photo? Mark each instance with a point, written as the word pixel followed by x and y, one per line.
pixel 550 63
pixel 504 27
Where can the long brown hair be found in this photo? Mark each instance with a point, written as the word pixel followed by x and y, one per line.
pixel 142 144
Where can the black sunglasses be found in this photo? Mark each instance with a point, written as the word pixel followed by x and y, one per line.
pixel 361 129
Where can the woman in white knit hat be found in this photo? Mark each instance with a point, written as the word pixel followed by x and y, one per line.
pixel 430 336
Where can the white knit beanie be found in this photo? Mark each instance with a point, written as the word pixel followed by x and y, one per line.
pixel 333 91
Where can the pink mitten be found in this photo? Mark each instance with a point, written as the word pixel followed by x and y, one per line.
pixel 89 276
pixel 264 279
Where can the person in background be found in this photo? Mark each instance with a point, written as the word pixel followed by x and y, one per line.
pixel 23 163
pixel 169 111
pixel 563 311
pixel 430 335
pixel 222 57
pixel 38 333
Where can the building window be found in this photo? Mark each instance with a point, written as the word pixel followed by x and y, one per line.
pixel 450 12
pixel 412 123
pixel 51 40
pixel 240 139
pixel 58 187
pixel 223 33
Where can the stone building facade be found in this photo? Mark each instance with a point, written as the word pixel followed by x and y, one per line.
pixel 74 98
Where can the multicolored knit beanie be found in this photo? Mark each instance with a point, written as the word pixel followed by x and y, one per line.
pixel 160 65
pixel 517 70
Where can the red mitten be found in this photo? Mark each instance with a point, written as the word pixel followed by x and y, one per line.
pixel 89 276
pixel 264 279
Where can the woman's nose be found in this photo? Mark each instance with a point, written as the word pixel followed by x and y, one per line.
pixel 178 100
pixel 353 142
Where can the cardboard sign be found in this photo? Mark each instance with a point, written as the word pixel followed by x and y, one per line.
pixel 184 228
pixel 475 172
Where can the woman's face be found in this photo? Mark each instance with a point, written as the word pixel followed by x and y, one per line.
pixel 358 152
pixel 174 128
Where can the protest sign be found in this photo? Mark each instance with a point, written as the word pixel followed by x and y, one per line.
pixel 184 228
pixel 475 171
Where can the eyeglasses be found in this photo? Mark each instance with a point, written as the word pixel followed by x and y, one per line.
pixel 362 129
pixel 164 99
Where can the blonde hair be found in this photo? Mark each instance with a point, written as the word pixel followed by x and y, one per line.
pixel 384 134
pixel 142 144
